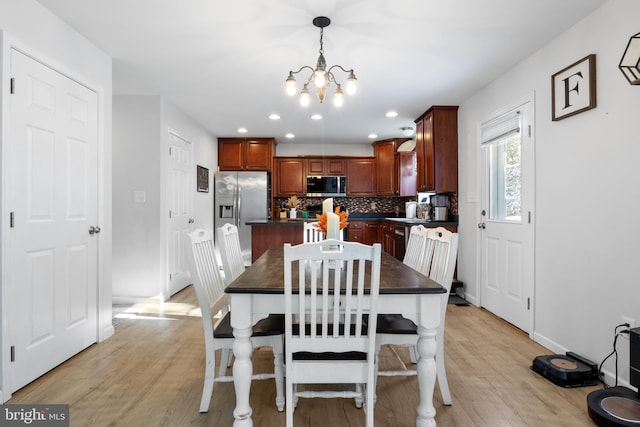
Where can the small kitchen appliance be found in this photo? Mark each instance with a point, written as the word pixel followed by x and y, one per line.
pixel 440 206
pixel 410 209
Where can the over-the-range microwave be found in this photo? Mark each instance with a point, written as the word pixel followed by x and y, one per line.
pixel 326 186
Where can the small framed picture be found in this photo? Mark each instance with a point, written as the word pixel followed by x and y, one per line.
pixel 202 179
pixel 573 89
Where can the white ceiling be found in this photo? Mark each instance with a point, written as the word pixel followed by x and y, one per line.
pixel 224 63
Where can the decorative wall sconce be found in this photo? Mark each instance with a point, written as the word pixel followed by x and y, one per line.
pixel 630 62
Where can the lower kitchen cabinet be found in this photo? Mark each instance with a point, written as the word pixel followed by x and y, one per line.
pixel 363 232
pixel 388 237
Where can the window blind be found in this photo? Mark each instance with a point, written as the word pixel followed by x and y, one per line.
pixel 500 127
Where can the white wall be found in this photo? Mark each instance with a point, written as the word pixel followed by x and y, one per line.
pixel 141 128
pixel 136 226
pixel 35 29
pixel 587 200
pixel 32 28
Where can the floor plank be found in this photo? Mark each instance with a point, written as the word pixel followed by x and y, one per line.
pixel 150 374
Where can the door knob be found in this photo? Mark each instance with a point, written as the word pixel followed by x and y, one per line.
pixel 482 226
pixel 94 230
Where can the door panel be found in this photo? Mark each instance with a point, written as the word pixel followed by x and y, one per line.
pixel 53 193
pixel 506 230
pixel 180 205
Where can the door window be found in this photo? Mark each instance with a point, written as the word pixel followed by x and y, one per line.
pixel 501 141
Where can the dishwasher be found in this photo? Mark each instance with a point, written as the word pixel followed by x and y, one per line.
pixel 400 244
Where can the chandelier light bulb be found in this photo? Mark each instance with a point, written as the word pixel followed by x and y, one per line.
pixel 291 85
pixel 338 97
pixel 320 79
pixel 305 98
pixel 351 83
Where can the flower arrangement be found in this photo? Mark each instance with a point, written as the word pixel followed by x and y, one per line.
pixel 293 202
pixel 322 220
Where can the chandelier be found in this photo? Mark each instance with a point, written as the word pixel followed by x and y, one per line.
pixel 321 76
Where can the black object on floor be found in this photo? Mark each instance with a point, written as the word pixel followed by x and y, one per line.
pixel 568 370
pixel 459 301
pixel 615 406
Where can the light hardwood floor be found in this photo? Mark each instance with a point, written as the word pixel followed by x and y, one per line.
pixel 150 374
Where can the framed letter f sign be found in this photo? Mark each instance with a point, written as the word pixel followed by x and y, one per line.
pixel 573 89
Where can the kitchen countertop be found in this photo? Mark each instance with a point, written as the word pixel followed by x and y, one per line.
pixel 356 216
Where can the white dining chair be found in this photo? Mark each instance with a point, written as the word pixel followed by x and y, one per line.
pixel 216 319
pixel 438 262
pixel 311 233
pixel 327 337
pixel 413 255
pixel 230 252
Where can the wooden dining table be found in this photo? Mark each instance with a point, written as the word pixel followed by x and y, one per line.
pixel 259 291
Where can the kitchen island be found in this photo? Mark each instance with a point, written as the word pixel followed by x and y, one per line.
pixel 272 233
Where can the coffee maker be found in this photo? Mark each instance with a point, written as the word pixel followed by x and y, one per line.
pixel 440 206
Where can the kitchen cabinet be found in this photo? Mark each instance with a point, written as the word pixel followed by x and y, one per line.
pixel 356 231
pixel 290 177
pixel 384 152
pixel 397 171
pixel 388 237
pixel 363 232
pixel 437 149
pixel 405 173
pixel 361 176
pixel 245 154
pixel 370 234
pixel 323 166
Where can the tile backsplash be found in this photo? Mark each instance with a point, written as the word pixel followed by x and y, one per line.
pixel 365 204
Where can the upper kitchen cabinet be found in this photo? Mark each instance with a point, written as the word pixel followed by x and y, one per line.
pixel 361 176
pixel 437 149
pixel 396 170
pixel 245 154
pixel 326 166
pixel 290 177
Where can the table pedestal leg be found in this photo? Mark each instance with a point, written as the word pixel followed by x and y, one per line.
pixel 426 376
pixel 242 366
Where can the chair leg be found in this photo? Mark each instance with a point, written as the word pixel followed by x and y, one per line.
pixel 369 405
pixel 278 370
pixel 441 372
pixel 209 378
pixel 360 399
pixel 290 404
pixel 413 354
pixel 225 360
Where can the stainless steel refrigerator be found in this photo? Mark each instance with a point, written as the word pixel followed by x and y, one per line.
pixel 241 197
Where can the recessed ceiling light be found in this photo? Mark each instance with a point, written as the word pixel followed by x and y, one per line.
pixel 290 136
pixel 391 113
pixel 274 116
pixel 316 117
pixel 242 130
pixel 372 136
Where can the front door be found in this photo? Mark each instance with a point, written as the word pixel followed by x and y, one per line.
pixel 506 216
pixel 181 185
pixel 52 197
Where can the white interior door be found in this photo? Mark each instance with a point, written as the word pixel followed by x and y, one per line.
pixel 52 137
pixel 506 217
pixel 181 185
